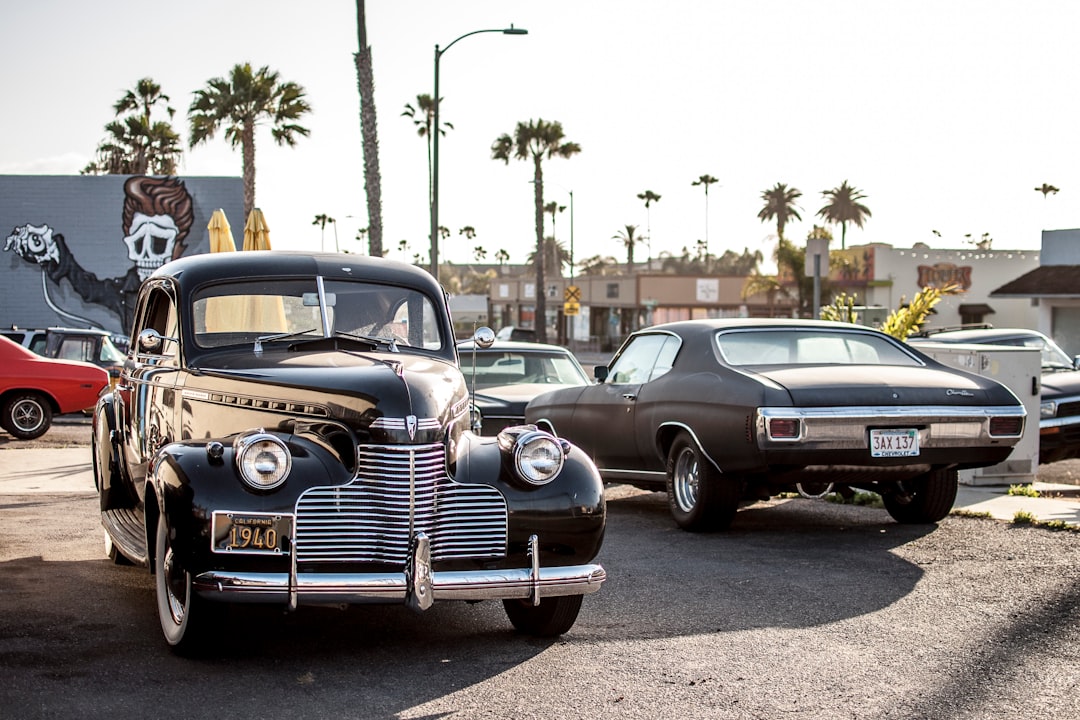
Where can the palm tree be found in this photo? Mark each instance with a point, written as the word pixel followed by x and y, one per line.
pixel 321 221
pixel 534 141
pixel 649 197
pixel 423 115
pixel 780 205
pixel 597 265
pixel 365 82
pixel 553 208
pixel 502 257
pixel 706 180
pixel 556 256
pixel 1047 190
pixel 135 144
pixel 629 239
pixel 246 99
pixel 843 206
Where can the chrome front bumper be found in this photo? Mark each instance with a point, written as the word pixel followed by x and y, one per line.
pixel 416 586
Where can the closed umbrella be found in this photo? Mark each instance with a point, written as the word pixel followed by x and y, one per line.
pixel 221 239
pixel 262 313
pixel 256 231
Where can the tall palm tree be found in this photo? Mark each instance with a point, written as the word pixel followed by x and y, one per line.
pixel 649 197
pixel 322 220
pixel 779 206
pixel 423 116
pixel 629 239
pixel 365 82
pixel 706 180
pixel 1047 189
pixel 556 256
pixel 246 99
pixel 844 207
pixel 137 145
pixel 553 208
pixel 534 141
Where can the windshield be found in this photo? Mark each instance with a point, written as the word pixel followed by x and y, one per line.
pixel 782 346
pixel 494 369
pixel 266 310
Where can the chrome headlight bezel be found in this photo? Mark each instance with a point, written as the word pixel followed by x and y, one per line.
pixel 262 460
pixel 538 456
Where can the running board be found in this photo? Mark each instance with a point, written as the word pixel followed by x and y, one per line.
pixel 126 528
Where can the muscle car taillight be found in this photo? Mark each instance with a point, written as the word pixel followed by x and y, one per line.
pixel 783 428
pixel 1007 426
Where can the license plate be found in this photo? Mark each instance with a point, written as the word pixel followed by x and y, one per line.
pixel 894 443
pixel 255 533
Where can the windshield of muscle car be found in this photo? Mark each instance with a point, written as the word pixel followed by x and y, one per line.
pixel 268 309
pixel 787 346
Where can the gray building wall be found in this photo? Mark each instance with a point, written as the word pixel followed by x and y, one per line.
pixel 85 278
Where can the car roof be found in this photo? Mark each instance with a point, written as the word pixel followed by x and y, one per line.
pixel 978 334
pixel 690 327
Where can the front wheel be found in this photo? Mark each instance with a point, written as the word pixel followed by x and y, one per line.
pixel 186 620
pixel 924 499
pixel 699 496
pixel 26 415
pixel 553 616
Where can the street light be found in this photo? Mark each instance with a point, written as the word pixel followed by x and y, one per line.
pixel 435 143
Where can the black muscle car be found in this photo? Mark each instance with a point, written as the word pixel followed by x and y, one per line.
pixel 720 412
pixel 293 429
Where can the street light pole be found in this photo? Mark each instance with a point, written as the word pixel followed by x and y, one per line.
pixel 435 143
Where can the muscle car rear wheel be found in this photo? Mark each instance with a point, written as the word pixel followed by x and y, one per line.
pixel 186 620
pixel 553 616
pixel 924 499
pixel 700 497
pixel 26 415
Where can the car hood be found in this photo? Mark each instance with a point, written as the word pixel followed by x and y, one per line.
pixel 355 388
pixel 1061 384
pixel 514 396
pixel 874 385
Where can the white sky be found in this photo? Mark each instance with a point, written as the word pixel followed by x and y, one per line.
pixel 945 113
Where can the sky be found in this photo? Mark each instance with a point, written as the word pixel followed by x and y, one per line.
pixel 945 114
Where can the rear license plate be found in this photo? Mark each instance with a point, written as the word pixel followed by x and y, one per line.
pixel 894 443
pixel 256 533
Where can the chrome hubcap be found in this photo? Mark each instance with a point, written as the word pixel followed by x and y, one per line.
pixel 684 480
pixel 27 416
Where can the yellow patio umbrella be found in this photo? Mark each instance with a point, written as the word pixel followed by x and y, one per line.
pixel 256 231
pixel 262 313
pixel 221 239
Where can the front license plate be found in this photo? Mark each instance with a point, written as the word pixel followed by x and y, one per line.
pixel 894 443
pixel 257 533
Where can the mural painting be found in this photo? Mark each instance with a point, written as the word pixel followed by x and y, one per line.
pixel 63 269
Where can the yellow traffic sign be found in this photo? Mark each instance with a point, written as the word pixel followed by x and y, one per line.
pixel 571 308
pixel 572 294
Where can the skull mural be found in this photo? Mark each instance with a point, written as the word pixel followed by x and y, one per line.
pixel 150 242
pixel 157 217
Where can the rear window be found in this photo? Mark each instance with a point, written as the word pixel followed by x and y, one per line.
pixel 783 346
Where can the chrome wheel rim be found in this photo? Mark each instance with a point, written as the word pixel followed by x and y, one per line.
pixel 684 480
pixel 175 587
pixel 28 415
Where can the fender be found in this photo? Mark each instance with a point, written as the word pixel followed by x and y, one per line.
pixel 566 538
pixel 113 486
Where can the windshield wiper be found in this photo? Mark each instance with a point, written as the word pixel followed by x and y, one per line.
pixel 280 336
pixel 390 342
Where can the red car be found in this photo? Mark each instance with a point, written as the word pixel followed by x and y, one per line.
pixel 34 388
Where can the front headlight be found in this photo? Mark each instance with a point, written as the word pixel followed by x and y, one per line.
pixel 538 456
pixel 1048 409
pixel 263 460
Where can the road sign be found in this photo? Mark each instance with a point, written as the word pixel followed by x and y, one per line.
pixel 571 308
pixel 572 294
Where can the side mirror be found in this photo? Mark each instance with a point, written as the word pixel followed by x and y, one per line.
pixel 484 337
pixel 151 341
pixel 600 372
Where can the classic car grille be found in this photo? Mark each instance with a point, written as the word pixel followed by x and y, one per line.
pixel 368 519
pixel 1068 409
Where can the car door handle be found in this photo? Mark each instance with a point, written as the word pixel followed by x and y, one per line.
pixel 629 396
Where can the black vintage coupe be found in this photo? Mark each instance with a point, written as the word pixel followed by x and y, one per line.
pixel 719 412
pixel 293 429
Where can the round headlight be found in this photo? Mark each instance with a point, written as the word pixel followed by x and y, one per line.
pixel 263 460
pixel 538 457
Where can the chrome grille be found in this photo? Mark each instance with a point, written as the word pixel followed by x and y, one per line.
pixel 368 520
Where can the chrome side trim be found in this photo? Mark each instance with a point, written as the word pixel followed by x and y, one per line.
pixel 368 588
